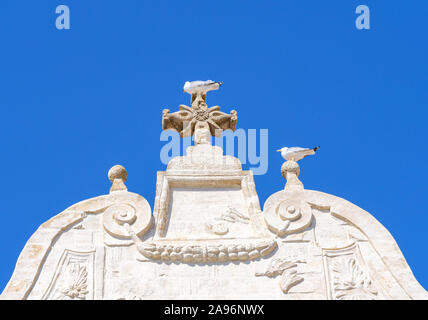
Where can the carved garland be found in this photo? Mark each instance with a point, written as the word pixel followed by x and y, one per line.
pixel 195 253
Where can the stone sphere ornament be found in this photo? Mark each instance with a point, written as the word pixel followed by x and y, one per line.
pixel 117 172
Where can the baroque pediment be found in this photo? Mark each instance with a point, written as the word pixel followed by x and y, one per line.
pixel 208 237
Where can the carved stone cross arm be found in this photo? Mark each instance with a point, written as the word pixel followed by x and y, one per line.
pixel 188 119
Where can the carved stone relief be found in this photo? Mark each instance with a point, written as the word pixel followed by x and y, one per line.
pixel 119 217
pixel 73 278
pixel 346 275
pixel 285 214
pixel 231 216
pixel 209 252
pixel 285 268
pixel 350 281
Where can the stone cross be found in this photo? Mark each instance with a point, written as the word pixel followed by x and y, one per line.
pixel 199 120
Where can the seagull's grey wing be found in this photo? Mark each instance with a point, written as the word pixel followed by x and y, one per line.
pixel 201 86
pixel 201 83
pixel 297 153
pixel 296 149
pixel 209 82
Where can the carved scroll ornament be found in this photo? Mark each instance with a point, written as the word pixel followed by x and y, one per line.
pixel 288 216
pixel 125 215
pixel 119 217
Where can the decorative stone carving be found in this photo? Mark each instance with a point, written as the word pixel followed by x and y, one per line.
pixel 290 170
pixel 203 253
pixel 187 120
pixel 289 279
pixel 286 211
pixel 118 218
pixel 287 269
pixel 218 228
pixel 350 282
pixel 231 216
pixel 204 159
pixel 346 276
pixel 117 175
pixel 208 121
pixel 70 281
pixel 76 285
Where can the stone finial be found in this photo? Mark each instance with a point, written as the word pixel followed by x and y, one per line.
pixel 290 170
pixel 117 175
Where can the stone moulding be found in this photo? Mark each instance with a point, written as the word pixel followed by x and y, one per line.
pixel 204 159
pixel 208 252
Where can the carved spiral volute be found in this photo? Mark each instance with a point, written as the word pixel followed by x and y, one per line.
pixel 289 210
pixel 122 220
pixel 122 213
pixel 285 215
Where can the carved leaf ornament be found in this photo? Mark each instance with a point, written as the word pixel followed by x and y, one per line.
pixel 287 270
pixel 75 286
pixel 350 282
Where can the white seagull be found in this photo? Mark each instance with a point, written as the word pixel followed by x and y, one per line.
pixel 296 153
pixel 201 86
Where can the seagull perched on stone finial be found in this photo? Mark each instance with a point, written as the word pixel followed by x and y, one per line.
pixel 194 87
pixel 296 153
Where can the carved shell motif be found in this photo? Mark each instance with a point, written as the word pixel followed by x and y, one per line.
pixel 350 282
pixel 75 285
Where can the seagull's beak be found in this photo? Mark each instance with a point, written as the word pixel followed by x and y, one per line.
pixel 279 150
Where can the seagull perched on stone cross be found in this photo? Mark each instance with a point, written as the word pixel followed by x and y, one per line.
pixel 188 119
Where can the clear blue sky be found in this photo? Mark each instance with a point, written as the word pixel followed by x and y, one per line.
pixel 76 102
